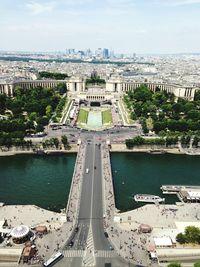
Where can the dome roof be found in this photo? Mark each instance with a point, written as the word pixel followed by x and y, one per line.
pixel 20 231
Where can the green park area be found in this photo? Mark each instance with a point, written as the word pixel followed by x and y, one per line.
pixel 82 116
pixel 28 112
pixel 166 115
pixel 106 117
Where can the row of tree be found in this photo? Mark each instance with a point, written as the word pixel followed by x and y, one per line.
pixel 55 142
pixel 59 109
pixel 8 140
pixel 52 75
pixel 14 139
pixel 165 141
pixel 176 264
pixel 95 80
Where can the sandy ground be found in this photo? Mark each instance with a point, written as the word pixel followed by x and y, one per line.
pixel 29 215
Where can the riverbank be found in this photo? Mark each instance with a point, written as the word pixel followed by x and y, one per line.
pixel 114 148
pixel 150 149
pixel 15 151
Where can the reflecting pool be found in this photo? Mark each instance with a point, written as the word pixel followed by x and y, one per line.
pixel 94 120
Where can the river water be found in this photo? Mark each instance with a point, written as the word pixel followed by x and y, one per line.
pixel 45 180
pixel 145 173
pixel 41 180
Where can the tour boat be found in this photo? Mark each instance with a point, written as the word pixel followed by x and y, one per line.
pixel 148 198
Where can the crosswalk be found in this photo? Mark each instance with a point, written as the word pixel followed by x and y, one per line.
pixel 73 253
pixel 95 253
pixel 105 254
pixel 89 258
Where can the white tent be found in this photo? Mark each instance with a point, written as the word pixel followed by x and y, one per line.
pixel 20 231
pixel 164 241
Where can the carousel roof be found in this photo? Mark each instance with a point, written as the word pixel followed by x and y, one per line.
pixel 20 231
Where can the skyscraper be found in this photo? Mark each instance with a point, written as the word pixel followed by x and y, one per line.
pixel 105 53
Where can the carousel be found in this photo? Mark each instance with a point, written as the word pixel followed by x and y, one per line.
pixel 20 234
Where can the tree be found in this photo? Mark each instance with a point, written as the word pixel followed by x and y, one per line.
pixel 159 126
pixel 142 93
pixel 49 111
pixel 61 88
pixel 64 140
pixel 39 128
pixel 52 75
pixel 174 264
pixel 133 116
pixel 197 264
pixel 192 234
pixel 177 107
pixel 180 238
pixel 129 143
pixel 2 103
pixel 138 140
pixel 196 140
pixel 159 98
pixel 33 116
pixel 189 106
pixel 55 142
pixel 193 114
pixel 197 96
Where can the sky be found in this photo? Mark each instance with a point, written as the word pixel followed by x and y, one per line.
pixel 125 26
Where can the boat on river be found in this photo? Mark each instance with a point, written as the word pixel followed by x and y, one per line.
pixel 148 198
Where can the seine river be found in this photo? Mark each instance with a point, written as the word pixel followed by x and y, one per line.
pixel 45 180
pixel 41 180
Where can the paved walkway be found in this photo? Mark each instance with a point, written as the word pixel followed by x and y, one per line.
pixel 128 244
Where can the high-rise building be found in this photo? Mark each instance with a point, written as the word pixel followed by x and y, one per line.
pixel 71 51
pixel 105 53
pixel 99 52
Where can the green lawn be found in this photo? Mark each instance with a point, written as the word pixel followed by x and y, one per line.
pixel 107 117
pixel 82 116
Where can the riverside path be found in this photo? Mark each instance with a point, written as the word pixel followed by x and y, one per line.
pixel 89 244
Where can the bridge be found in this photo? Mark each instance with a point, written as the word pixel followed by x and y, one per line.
pixel 90 209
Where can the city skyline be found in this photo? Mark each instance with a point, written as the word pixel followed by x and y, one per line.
pixel 126 26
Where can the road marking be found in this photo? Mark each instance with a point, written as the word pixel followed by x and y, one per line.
pixel 73 253
pixel 89 256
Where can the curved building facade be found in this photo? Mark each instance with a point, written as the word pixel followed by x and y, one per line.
pixel 117 86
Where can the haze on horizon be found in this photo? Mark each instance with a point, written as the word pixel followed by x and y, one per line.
pixel 140 26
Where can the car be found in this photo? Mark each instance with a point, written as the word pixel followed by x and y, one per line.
pixel 106 234
pixel 95 167
pixel 76 229
pixel 71 243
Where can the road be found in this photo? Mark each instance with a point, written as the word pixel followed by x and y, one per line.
pixel 88 246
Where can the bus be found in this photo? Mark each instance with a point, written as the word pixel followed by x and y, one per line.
pixel 53 260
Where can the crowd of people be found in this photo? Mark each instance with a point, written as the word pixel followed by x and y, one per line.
pixel 74 196
pixel 128 244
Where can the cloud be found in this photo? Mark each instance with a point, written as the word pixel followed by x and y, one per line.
pixel 181 2
pixel 38 8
